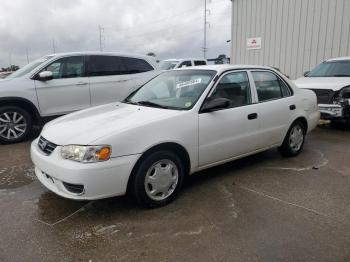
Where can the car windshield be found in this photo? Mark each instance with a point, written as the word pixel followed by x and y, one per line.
pixel 331 69
pixel 30 67
pixel 178 89
pixel 167 65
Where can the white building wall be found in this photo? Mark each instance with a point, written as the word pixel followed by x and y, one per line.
pixel 296 34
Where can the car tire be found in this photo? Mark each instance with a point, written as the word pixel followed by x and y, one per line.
pixel 158 179
pixel 15 124
pixel 294 141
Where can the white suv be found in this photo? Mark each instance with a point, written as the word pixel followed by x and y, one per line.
pixel 62 83
pixel 178 63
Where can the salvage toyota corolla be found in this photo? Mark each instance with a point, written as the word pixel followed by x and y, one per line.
pixel 180 122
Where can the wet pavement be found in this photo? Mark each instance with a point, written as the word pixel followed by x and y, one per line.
pixel 261 208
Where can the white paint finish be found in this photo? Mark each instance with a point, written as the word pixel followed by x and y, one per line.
pixel 62 96
pixel 231 134
pixel 209 138
pixel 296 34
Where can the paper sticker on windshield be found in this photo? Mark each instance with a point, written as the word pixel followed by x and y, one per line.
pixel 188 83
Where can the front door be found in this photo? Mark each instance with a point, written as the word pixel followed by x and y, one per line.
pixel 233 131
pixel 68 91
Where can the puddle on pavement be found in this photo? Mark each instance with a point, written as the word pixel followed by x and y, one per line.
pixel 52 208
pixel 16 176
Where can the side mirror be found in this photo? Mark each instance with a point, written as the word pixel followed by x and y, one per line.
pixel 306 73
pixel 45 76
pixel 215 104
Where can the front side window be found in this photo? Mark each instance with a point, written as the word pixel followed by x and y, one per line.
pixel 234 87
pixel 30 67
pixel 173 89
pixel 185 64
pixel 331 69
pixel 67 67
pixel 167 65
pixel 269 86
pixel 99 65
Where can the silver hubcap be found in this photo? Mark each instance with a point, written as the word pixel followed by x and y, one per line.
pixel 161 179
pixel 296 138
pixel 12 125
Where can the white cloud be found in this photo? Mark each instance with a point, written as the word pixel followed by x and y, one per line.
pixel 168 28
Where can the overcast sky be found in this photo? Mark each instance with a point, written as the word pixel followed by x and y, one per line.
pixel 170 29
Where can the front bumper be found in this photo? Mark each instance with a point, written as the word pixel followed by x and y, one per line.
pixel 97 180
pixel 331 111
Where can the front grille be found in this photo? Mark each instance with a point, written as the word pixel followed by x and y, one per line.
pixel 324 96
pixel 46 146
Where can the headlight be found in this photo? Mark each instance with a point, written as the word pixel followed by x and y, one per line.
pixel 345 93
pixel 86 154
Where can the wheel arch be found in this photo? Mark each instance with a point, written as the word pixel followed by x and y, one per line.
pixel 176 148
pixel 24 104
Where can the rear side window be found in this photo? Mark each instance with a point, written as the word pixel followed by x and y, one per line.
pixel 136 65
pixel 269 86
pixel 106 65
pixel 67 67
pixel 198 63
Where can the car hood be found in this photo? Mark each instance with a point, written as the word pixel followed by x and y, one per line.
pixel 86 126
pixel 333 83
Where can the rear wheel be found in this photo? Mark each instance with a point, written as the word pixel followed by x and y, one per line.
pixel 294 141
pixel 158 179
pixel 15 124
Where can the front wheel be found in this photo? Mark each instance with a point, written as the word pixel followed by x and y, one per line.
pixel 158 179
pixel 294 140
pixel 15 124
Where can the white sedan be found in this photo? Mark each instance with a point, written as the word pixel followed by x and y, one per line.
pixel 180 122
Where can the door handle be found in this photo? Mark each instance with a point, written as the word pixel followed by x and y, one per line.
pixel 292 107
pixel 122 81
pixel 81 84
pixel 252 116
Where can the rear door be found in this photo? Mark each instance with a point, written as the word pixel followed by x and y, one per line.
pixel 113 78
pixel 276 106
pixel 233 131
pixel 68 91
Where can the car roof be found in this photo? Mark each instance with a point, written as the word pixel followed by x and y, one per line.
pixel 224 67
pixel 183 59
pixel 100 53
pixel 338 59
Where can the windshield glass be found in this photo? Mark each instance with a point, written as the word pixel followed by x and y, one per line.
pixel 331 69
pixel 167 65
pixel 28 68
pixel 173 89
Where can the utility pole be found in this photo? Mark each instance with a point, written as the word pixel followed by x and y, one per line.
pixel 204 48
pixel 100 29
pixel 53 45
pixel 10 59
pixel 27 56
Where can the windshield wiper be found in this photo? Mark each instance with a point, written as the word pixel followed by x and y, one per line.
pixel 149 103
pixel 341 75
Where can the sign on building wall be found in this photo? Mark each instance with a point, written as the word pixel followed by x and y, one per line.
pixel 254 43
